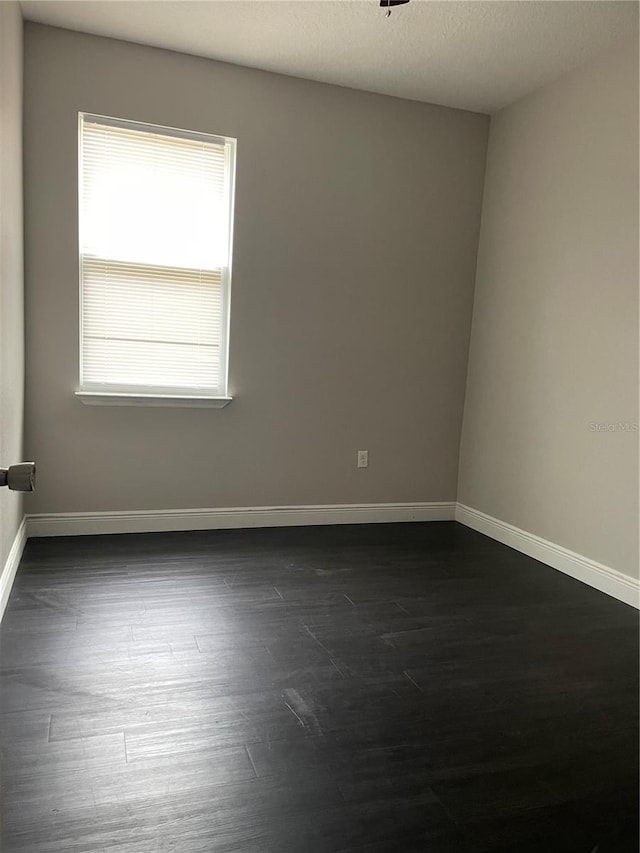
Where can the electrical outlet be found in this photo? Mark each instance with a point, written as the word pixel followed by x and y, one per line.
pixel 363 459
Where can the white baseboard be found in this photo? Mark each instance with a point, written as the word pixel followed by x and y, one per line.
pixel 89 523
pixel 11 565
pixel 603 578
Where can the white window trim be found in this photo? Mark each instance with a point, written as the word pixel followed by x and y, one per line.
pixel 94 394
pixel 109 398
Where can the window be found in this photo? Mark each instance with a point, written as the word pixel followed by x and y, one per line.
pixel 155 217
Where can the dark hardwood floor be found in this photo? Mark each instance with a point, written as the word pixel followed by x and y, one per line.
pixel 365 689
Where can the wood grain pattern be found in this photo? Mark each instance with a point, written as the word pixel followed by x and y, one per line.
pixel 365 689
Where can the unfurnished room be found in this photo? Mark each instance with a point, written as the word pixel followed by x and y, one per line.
pixel 319 493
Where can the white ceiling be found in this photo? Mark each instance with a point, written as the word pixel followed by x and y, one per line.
pixel 475 55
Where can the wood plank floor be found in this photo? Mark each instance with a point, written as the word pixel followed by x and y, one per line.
pixel 365 689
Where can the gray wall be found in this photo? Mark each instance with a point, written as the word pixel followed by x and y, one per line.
pixel 357 220
pixel 11 253
pixel 554 345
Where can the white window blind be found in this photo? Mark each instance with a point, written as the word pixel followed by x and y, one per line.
pixel 155 248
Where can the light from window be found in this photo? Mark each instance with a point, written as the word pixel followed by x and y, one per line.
pixel 155 213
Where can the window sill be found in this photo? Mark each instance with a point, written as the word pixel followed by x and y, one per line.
pixel 113 398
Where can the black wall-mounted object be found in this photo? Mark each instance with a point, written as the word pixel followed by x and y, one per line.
pixel 387 4
pixel 20 477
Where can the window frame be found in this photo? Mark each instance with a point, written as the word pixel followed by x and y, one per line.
pixel 94 393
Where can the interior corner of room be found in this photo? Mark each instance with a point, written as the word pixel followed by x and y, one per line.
pixel 458 292
pixel 432 212
pixel 455 291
